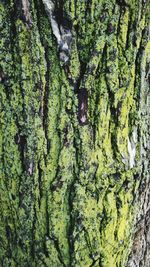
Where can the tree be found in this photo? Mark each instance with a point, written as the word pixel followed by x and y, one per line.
pixel 74 154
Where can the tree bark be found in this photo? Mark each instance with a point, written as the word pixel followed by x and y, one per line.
pixel 75 137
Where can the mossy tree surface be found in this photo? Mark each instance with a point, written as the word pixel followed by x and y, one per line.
pixel 74 152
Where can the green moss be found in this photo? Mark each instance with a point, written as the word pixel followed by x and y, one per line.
pixel 124 21
pixel 70 185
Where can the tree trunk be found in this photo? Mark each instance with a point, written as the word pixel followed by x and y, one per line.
pixel 75 137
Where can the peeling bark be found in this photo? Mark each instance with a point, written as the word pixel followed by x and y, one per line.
pixel 26 11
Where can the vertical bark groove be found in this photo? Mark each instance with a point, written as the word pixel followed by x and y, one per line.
pixel 74 154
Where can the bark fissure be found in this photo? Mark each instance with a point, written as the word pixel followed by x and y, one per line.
pixel 75 133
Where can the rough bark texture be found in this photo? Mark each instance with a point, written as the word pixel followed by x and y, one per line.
pixel 75 137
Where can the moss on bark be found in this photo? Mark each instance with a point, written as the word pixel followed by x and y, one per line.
pixel 73 134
